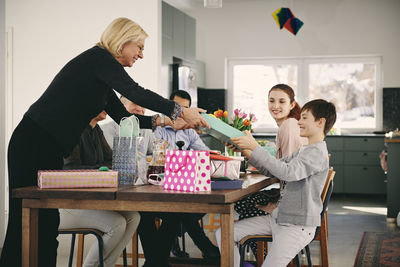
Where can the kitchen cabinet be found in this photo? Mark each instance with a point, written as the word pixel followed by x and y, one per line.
pixel 335 149
pixel 393 177
pixel 167 20
pixel 355 158
pixel 167 33
pixel 179 35
pixel 190 38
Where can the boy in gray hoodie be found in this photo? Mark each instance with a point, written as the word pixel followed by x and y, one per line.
pixel 293 221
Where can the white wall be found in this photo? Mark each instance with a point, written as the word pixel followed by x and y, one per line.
pixel 48 33
pixel 334 27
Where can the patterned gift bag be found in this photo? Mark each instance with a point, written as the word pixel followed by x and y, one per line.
pixel 129 155
pixel 187 171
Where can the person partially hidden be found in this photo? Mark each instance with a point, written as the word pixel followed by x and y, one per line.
pixel 118 227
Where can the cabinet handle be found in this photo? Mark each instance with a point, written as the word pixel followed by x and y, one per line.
pixel 364 168
pixel 365 154
pixel 365 140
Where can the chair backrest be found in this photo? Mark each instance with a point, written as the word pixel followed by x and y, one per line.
pixel 329 179
pixel 326 194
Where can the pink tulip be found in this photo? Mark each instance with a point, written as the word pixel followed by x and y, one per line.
pixel 253 117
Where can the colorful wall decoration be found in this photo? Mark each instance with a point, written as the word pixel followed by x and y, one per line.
pixel 285 19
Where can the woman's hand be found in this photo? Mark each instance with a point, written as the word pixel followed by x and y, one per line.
pixel 193 118
pixel 269 208
pixel 178 124
pixel 246 142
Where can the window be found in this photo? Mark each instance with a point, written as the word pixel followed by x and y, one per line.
pixel 352 84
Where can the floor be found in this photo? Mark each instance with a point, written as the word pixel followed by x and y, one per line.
pixel 348 217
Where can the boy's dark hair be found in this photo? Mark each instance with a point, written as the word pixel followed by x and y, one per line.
pixel 181 94
pixel 320 108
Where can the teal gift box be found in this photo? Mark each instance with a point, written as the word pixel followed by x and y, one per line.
pixel 220 130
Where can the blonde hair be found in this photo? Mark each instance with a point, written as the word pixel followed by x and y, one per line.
pixel 118 33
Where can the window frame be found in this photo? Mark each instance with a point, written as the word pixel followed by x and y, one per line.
pixel 302 95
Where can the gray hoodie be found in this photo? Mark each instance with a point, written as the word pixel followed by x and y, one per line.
pixel 305 173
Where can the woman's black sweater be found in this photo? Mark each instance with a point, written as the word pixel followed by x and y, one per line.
pixel 82 89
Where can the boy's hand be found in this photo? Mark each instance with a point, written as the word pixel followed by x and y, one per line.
pixel 246 153
pixel 246 142
pixel 269 208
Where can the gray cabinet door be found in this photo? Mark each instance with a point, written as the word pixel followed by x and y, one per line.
pixel 361 157
pixel 167 20
pixel 178 34
pixel 363 144
pixel 360 179
pixel 334 143
pixel 336 158
pixel 393 179
pixel 190 38
pixel 338 181
pixel 167 52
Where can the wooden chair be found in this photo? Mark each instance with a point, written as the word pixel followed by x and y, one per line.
pixel 81 232
pixel 321 232
pixel 213 224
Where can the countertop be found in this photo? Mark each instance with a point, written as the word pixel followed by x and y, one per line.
pixel 341 135
pixel 392 140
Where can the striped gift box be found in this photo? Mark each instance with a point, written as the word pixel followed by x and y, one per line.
pixel 77 178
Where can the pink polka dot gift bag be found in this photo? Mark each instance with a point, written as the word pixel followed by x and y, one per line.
pixel 187 171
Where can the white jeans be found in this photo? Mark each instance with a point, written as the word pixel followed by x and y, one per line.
pixel 118 228
pixel 287 242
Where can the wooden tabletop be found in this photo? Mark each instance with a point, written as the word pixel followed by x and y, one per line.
pixel 157 193
pixel 71 193
pixel 256 182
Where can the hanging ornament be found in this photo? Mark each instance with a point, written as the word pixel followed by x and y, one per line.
pixel 285 19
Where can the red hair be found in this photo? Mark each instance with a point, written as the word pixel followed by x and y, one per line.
pixel 295 111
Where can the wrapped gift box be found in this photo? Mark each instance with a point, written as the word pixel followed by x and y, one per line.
pixel 77 178
pixel 223 166
pixel 220 130
pixel 224 183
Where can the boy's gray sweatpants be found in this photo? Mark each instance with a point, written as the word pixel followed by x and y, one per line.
pixel 288 239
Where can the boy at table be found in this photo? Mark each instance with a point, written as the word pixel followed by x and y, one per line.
pixel 293 221
pixel 157 244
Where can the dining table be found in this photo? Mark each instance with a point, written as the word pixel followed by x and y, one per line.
pixel 150 198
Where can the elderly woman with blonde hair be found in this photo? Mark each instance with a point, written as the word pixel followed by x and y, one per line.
pixel 51 127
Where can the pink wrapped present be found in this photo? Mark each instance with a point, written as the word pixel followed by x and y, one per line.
pixel 77 178
pixel 187 171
